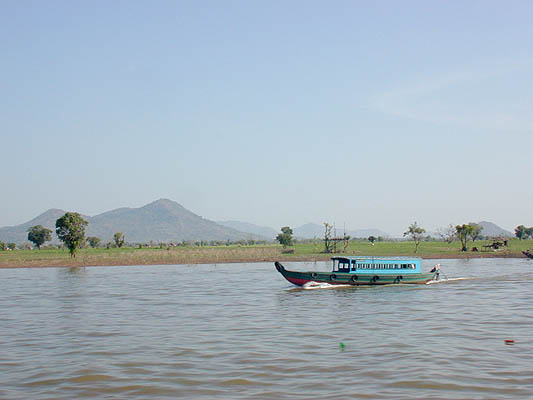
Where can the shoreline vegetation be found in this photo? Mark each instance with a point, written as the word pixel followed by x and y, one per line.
pixel 303 252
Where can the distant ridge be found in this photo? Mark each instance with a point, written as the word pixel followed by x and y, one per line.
pixel 265 231
pixel 160 221
pixel 490 230
pixel 311 230
pixel 19 233
pixel 167 221
pixel 307 231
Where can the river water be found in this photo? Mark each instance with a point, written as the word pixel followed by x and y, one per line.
pixel 240 331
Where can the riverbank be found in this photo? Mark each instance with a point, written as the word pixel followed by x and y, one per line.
pixel 190 255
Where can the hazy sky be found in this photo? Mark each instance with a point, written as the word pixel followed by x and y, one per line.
pixel 372 114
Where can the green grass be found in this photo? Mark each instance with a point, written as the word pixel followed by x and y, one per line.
pixel 225 254
pixel 425 249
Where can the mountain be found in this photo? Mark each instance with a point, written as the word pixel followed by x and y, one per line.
pixel 19 233
pixel 492 230
pixel 310 231
pixel 161 221
pixel 365 233
pixel 265 231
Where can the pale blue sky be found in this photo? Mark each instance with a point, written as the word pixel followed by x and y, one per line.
pixel 369 114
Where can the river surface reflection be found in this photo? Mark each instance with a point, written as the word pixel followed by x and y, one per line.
pixel 240 331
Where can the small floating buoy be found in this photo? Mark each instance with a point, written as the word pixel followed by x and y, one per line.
pixel 509 341
pixel 341 345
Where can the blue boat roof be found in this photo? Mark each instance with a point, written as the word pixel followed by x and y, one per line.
pixel 370 258
pixel 373 265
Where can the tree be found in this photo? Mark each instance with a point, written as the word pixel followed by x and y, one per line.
pixel 521 232
pixel 415 232
pixel 448 234
pixel 372 239
pixel 463 231
pixel 38 235
pixel 93 241
pixel 70 229
pixel 475 231
pixel 529 232
pixel 25 246
pixel 327 237
pixel 346 241
pixel 119 239
pixel 285 237
pixel 2 246
pixel 11 246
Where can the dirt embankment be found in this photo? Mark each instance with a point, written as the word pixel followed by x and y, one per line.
pixel 180 258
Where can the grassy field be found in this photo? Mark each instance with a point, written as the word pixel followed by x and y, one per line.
pixel 258 253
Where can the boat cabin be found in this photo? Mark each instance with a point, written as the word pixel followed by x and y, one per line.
pixel 377 265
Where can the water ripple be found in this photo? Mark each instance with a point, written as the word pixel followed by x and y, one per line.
pixel 145 332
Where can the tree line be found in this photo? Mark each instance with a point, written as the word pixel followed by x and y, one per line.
pixel 70 229
pixel 521 232
pixel 462 233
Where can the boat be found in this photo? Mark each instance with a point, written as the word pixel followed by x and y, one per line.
pixel 359 271
pixel 528 254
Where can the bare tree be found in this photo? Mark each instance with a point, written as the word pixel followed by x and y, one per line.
pixel 327 237
pixel 448 233
pixel 475 231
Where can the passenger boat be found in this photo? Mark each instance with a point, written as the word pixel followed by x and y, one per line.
pixel 359 271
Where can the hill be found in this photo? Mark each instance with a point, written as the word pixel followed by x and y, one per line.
pixel 264 231
pixel 161 221
pixel 492 230
pixel 19 233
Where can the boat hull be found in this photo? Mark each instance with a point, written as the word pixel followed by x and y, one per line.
pixel 337 278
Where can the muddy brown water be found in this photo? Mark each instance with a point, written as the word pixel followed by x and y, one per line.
pixel 240 331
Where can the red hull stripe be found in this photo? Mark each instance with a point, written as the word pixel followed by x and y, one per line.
pixel 301 282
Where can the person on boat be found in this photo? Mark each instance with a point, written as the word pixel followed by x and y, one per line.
pixel 436 269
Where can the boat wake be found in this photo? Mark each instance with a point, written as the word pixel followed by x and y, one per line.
pixel 444 280
pixel 321 285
